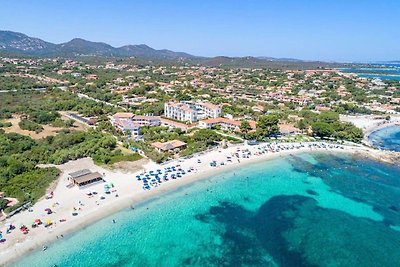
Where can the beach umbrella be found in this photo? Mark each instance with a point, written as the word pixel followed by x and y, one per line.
pixel 48 222
pixel 1 237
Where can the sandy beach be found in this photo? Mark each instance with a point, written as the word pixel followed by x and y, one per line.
pixel 369 124
pixel 127 191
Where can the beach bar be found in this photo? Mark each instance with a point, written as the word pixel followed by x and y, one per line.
pixel 85 177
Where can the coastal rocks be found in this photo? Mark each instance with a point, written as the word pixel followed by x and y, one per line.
pixel 359 178
pixel 312 192
pixel 294 231
pixel 313 236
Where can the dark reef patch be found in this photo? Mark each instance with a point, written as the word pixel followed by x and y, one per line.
pixel 358 178
pixel 295 231
pixel 312 192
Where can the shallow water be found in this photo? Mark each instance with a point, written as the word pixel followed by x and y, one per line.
pixel 384 72
pixel 387 138
pixel 306 210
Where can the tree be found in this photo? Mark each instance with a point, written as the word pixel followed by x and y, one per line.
pixel 322 129
pixel 245 126
pixel 302 124
pixel 328 116
pixel 268 125
pixel 207 136
pixel 3 203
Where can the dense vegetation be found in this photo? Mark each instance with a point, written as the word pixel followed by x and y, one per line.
pixel 43 107
pixel 196 141
pixel 19 176
pixel 30 126
pixel 5 124
pixel 3 203
pixel 267 126
pixel 327 124
pixel 19 83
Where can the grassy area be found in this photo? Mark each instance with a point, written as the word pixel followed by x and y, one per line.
pixel 126 157
pixel 5 124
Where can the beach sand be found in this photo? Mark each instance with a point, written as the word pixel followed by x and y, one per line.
pixel 129 192
pixel 368 124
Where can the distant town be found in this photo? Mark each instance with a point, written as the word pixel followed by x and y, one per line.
pixel 153 102
pixel 116 110
pixel 199 133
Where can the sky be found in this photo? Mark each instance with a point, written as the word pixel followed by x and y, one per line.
pixel 329 30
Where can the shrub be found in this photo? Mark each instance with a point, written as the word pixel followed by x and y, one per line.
pixel 5 124
pixel 30 126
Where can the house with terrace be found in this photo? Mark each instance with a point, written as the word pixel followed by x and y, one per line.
pixel 191 111
pixel 123 121
pixel 225 124
pixel 174 146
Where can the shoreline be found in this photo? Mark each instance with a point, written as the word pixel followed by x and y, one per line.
pixel 41 236
pixel 368 124
pixel 377 128
pixel 380 127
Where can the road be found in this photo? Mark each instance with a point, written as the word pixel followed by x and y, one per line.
pixel 80 95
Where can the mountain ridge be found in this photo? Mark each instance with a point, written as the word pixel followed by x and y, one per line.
pixel 18 42
pixel 15 42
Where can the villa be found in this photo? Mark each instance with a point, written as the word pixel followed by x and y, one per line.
pixel 287 129
pixel 129 122
pixel 147 120
pixel 173 145
pixel 224 123
pixel 128 126
pixel 191 111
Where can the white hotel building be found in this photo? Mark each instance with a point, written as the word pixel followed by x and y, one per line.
pixel 191 111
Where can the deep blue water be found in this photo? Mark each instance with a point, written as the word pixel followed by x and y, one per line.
pixel 306 210
pixel 387 138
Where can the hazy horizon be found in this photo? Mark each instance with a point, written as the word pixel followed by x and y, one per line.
pixel 328 31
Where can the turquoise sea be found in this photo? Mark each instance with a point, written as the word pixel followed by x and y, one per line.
pixel 382 71
pixel 387 138
pixel 313 209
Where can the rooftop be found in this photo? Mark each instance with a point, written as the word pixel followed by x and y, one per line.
pixel 170 145
pixel 88 177
pixel 79 173
pixel 123 115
